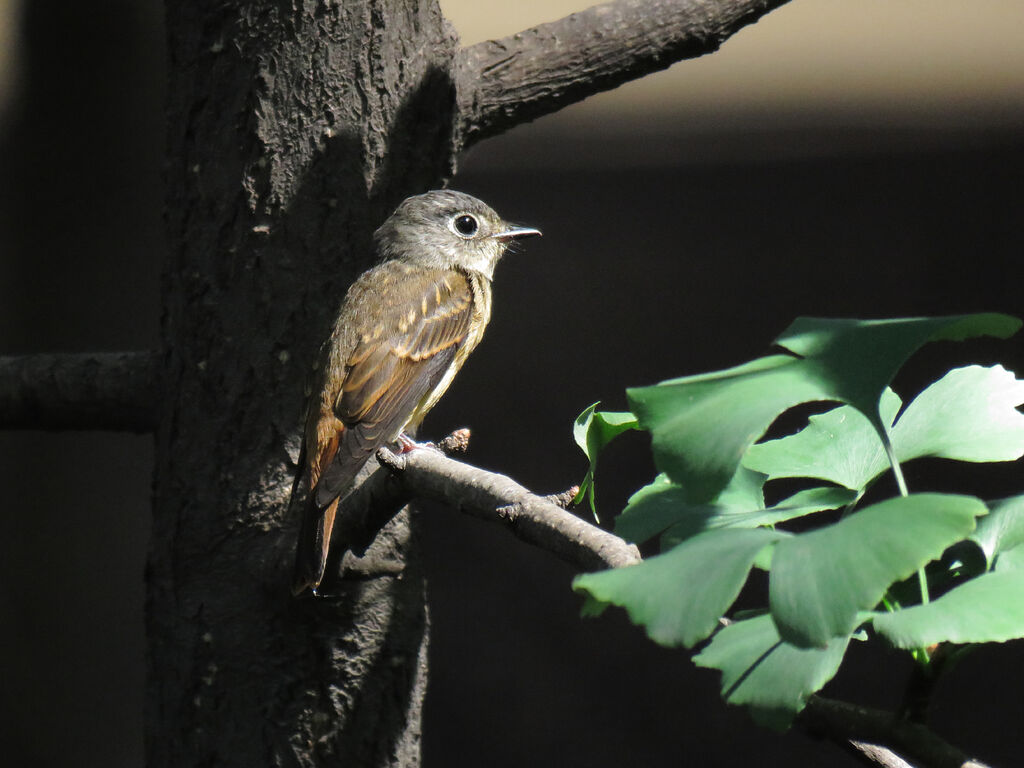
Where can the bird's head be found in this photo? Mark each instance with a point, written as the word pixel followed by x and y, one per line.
pixel 447 230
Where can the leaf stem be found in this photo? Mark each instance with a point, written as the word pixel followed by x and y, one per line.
pixel 922 578
pixel 897 471
pixel 901 483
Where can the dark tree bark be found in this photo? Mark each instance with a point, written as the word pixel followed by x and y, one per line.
pixel 294 130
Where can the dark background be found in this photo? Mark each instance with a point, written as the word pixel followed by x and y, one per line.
pixel 670 253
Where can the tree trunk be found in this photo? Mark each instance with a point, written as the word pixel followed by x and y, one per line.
pixel 294 128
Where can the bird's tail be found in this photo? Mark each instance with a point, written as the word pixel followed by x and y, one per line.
pixel 314 540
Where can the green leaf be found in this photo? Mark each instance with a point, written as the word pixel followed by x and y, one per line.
pixel 701 426
pixel 679 596
pixel 662 503
pixel 856 359
pixel 1002 529
pixel 970 414
pixel 651 510
pixel 592 607
pixel 805 502
pixel 1011 559
pixel 988 608
pixel 592 431
pixel 802 503
pixel 766 674
pixel 821 579
pixel 840 446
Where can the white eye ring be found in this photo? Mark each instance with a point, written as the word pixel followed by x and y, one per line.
pixel 465 225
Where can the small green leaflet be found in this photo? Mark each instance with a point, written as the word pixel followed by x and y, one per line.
pixel 592 431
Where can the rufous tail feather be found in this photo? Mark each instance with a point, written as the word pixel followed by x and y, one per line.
pixel 314 541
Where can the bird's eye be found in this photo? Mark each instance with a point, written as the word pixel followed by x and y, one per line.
pixel 465 225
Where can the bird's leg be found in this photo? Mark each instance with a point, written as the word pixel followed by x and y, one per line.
pixel 406 443
pixel 456 442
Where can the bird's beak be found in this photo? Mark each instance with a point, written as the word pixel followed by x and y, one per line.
pixel 515 233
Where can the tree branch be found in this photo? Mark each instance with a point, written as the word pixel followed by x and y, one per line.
pixel 502 83
pixel 881 737
pixel 110 391
pixel 427 473
pixel 876 737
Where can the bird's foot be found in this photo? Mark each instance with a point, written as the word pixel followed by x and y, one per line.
pixel 456 442
pixel 406 443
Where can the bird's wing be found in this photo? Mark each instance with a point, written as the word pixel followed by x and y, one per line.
pixel 417 330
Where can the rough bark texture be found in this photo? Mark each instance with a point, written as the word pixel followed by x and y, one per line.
pixel 294 129
pixel 505 82
pixel 429 474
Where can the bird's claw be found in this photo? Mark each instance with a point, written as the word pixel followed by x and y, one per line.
pixel 407 444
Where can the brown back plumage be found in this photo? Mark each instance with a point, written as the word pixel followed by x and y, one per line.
pixel 404 330
pixel 395 365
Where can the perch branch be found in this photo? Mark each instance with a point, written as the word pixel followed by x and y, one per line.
pixel 105 391
pixel 428 474
pixel 502 83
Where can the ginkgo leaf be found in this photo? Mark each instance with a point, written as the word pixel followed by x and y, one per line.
pixel 987 608
pixel 821 579
pixel 680 596
pixel 763 672
pixel 701 426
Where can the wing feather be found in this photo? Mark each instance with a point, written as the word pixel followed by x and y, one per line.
pixel 391 370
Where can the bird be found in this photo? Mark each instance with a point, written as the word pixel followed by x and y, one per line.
pixel 404 329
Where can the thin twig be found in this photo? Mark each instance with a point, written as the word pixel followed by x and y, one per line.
pixel 563 499
pixel 456 442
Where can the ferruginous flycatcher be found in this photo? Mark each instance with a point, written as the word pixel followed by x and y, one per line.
pixel 405 328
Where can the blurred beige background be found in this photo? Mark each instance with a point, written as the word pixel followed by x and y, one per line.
pixel 881 60
pixel 867 62
pixel 8 50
